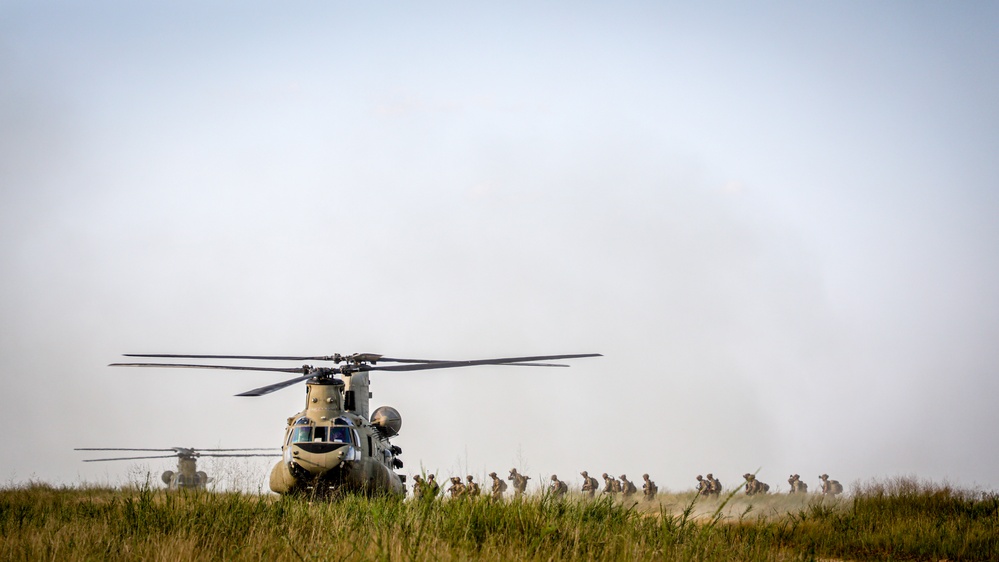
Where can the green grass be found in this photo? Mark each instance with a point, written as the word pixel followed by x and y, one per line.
pixel 900 520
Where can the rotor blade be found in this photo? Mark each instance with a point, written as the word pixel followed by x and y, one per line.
pixel 278 454
pixel 453 364
pixel 226 367
pixel 362 357
pixel 117 449
pixel 390 359
pixel 357 357
pixel 246 449
pixel 263 357
pixel 276 386
pixel 132 458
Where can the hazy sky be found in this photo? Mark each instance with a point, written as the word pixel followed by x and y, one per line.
pixel 777 221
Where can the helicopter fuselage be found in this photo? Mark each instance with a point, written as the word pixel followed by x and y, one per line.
pixel 187 475
pixel 329 448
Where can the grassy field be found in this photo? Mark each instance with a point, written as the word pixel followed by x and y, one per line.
pixel 899 520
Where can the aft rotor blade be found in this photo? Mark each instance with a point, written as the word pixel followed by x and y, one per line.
pixel 118 449
pixel 357 357
pixel 362 357
pixel 263 357
pixel 447 361
pixel 246 449
pixel 226 367
pixel 276 454
pixel 132 458
pixel 472 363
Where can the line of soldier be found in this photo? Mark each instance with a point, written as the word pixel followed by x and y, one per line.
pixel 710 486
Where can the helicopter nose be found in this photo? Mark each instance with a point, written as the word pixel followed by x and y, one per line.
pixel 317 458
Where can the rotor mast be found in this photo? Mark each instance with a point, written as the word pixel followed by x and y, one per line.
pixel 324 398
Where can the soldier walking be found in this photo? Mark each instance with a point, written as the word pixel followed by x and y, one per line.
pixel 457 488
pixel 830 487
pixel 519 482
pixel 419 486
pixel 433 489
pixel 754 486
pixel 499 486
pixel 471 488
pixel 649 488
pixel 628 488
pixel 590 484
pixel 797 486
pixel 558 488
pixel 609 485
pixel 703 486
pixel 714 485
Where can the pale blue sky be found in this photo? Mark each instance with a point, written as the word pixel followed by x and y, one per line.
pixel 777 221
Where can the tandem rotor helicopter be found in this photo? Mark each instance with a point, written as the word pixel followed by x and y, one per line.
pixel 334 445
pixel 187 476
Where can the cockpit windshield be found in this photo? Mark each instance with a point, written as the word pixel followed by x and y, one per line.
pixel 320 434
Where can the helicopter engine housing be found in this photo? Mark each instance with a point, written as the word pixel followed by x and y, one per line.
pixel 167 477
pixel 388 420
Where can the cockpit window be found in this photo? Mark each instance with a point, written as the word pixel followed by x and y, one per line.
pixel 339 435
pixel 321 434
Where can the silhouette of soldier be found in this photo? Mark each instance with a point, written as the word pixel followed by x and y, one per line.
pixel 457 488
pixel 471 489
pixel 649 488
pixel 628 488
pixel 797 486
pixel 433 489
pixel 558 487
pixel 754 486
pixel 499 486
pixel 830 487
pixel 609 485
pixel 703 486
pixel 590 484
pixel 519 482
pixel 714 485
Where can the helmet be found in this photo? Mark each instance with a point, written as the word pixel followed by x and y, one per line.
pixel 492 474
pixel 554 477
pixel 623 477
pixel 605 475
pixel 584 473
pixel 645 476
pixel 469 477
